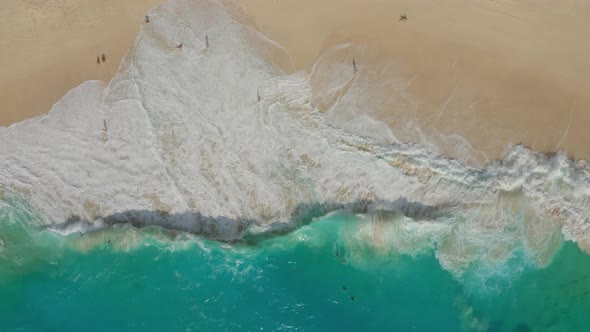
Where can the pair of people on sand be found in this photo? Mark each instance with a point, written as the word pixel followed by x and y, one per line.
pixel 103 58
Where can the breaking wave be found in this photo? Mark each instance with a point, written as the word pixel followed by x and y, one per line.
pixel 179 139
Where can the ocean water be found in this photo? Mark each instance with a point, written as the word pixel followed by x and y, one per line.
pixel 320 277
pixel 172 198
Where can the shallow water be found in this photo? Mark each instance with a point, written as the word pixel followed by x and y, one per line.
pixel 412 234
pixel 128 279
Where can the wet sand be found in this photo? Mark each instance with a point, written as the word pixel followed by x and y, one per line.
pixel 49 47
pixel 498 73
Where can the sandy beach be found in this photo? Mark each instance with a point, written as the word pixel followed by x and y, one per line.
pixel 497 73
pixel 49 47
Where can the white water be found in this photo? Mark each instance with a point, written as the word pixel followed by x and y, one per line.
pixel 186 133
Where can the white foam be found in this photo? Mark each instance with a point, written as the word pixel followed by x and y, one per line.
pixel 186 134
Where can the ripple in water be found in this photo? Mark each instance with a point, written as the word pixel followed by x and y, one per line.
pixel 190 148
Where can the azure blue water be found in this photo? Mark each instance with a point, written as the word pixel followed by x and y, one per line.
pixel 320 277
pixel 208 188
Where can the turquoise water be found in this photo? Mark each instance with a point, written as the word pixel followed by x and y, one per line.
pixel 128 279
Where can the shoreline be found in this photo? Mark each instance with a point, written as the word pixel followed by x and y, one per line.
pixel 448 82
pixel 397 175
pixel 51 47
pixel 504 81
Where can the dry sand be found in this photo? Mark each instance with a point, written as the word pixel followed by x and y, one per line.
pixel 48 47
pixel 496 72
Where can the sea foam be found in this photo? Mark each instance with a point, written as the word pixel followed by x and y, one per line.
pixel 188 146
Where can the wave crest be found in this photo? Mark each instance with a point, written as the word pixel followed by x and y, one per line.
pixel 186 134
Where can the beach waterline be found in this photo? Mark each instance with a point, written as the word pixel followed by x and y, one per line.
pixel 242 195
pixel 453 75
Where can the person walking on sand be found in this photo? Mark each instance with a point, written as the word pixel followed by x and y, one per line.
pixel 147 19
pixel 98 60
pixel 403 18
pixel 104 58
pixel 354 65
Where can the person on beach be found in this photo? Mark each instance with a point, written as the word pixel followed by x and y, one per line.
pixel 354 65
pixel 98 60
pixel 147 19
pixel 179 45
pixel 403 18
pixel 104 58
